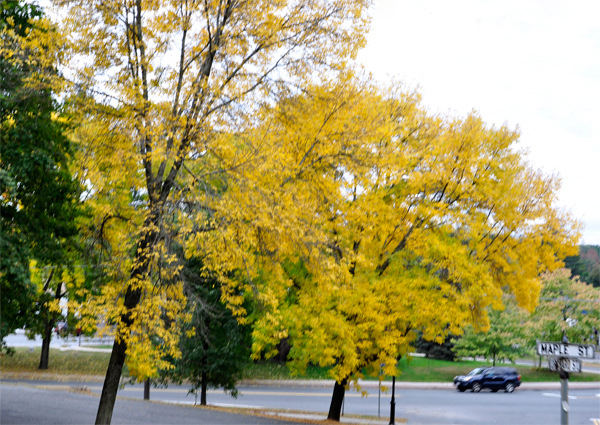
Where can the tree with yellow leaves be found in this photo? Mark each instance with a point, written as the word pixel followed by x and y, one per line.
pixel 165 82
pixel 420 223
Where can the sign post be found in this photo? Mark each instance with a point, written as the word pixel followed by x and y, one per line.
pixel 564 398
pixel 565 358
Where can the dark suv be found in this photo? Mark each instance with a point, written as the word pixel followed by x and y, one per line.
pixel 494 378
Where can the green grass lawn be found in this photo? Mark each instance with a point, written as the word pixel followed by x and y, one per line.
pixel 419 369
pixel 60 362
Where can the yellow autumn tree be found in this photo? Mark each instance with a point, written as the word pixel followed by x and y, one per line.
pixel 418 223
pixel 163 85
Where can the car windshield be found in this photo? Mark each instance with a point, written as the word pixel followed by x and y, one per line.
pixel 477 371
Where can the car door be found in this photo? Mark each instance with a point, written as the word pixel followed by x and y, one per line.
pixel 488 380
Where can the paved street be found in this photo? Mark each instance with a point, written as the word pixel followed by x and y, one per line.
pixel 445 406
pixel 25 405
pixel 439 404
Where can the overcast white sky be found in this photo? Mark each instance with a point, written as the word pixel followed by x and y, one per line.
pixel 532 63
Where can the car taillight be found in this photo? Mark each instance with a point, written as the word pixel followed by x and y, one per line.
pixel 519 377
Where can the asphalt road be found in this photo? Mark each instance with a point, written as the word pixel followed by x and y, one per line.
pixel 417 406
pixel 21 404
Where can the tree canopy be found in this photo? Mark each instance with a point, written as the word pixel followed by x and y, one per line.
pixel 164 84
pixel 586 264
pixel 38 196
pixel 506 339
pixel 241 134
pixel 568 307
pixel 421 222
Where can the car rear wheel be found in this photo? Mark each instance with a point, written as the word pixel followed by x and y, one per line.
pixel 476 388
pixel 509 388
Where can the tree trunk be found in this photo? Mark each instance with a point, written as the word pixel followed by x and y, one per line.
pixel 51 318
pixel 204 373
pixel 335 408
pixel 494 359
pixel 111 383
pixel 203 390
pixel 46 338
pixel 132 299
pixel 116 362
pixel 147 389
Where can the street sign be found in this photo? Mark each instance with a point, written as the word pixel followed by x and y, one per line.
pixel 564 364
pixel 562 349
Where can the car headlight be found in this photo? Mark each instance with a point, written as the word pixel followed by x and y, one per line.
pixel 467 378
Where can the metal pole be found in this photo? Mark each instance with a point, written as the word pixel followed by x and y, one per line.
pixel 564 398
pixel 379 402
pixel 393 402
pixel 147 389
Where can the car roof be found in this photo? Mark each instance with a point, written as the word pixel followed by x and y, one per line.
pixel 503 369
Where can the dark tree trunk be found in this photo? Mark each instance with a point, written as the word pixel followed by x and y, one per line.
pixel 132 299
pixel 117 360
pixel 46 338
pixel 204 374
pixel 335 408
pixel 147 389
pixel 203 390
pixel 494 359
pixel 111 383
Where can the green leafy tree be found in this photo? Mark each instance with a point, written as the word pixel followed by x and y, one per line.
pixel 38 197
pixel 568 307
pixel 435 350
pixel 586 264
pixel 505 339
pixel 214 347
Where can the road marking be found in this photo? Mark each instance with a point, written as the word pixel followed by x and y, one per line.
pixel 572 397
pixel 595 420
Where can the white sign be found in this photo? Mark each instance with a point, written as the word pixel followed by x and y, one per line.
pixel 567 365
pixel 561 349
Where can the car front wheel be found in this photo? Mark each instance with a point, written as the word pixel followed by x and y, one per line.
pixel 476 388
pixel 510 387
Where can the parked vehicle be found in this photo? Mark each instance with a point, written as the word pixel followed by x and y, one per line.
pixel 493 378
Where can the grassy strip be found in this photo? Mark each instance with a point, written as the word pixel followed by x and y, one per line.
pixel 416 370
pixel 60 362
pixel 421 369
pixel 270 370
